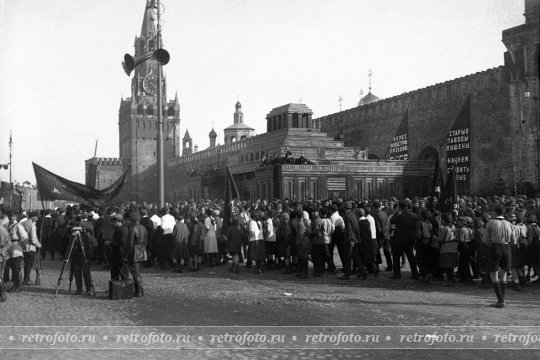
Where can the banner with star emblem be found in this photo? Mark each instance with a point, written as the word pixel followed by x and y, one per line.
pixel 53 187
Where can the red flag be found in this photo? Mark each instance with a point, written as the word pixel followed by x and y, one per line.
pixel 449 193
pixel 231 193
pixel 53 187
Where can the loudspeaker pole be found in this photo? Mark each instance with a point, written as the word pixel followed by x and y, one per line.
pixel 159 152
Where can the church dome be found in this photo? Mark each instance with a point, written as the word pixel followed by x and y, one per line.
pixel 368 99
pixel 212 134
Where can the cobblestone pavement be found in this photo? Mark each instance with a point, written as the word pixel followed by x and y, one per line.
pixel 215 297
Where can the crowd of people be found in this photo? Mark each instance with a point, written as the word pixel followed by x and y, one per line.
pixel 494 240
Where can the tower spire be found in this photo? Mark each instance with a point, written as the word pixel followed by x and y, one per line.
pixel 370 76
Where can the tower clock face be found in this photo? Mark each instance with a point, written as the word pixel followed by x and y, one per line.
pixel 150 84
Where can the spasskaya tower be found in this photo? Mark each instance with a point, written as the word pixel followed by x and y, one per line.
pixel 137 123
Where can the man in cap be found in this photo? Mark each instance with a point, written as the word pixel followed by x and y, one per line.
pixel 351 242
pixel 403 240
pixel 149 226
pixel 118 255
pixel 60 224
pixel 499 236
pixel 30 249
pixel 45 224
pixel 80 256
pixel 19 239
pixel 135 250
pixel 382 226
pixel 104 235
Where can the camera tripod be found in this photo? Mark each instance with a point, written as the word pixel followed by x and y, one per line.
pixel 75 238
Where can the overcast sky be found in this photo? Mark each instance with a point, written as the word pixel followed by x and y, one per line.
pixel 61 78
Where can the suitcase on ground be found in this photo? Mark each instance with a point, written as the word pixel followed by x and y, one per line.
pixel 120 289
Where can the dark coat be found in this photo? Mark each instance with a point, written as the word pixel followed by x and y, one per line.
pixel 382 225
pixel 352 231
pixel 405 225
pixel 47 227
pixel 119 241
pixel 148 225
pixel 60 224
pixel 136 242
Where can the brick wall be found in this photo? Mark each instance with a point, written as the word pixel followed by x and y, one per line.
pixel 432 112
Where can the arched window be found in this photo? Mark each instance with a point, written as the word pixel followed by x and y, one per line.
pixel 140 109
pixel 149 110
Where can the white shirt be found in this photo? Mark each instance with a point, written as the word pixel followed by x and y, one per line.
pixel 270 224
pixel 156 220
pixel 17 233
pixel 167 224
pixel 245 216
pixel 32 235
pixel 371 220
pixel 337 220
pixel 328 230
pixel 255 232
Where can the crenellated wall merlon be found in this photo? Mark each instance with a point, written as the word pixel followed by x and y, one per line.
pixel 450 88
pixel 103 161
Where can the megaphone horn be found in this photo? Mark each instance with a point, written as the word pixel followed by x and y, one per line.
pixel 160 55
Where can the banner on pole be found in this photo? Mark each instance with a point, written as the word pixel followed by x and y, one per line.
pixel 53 187
pixel 458 148
pixel 399 147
